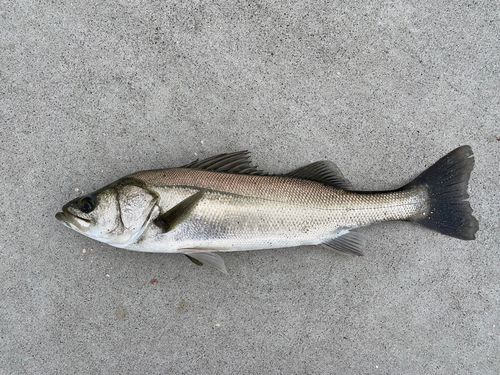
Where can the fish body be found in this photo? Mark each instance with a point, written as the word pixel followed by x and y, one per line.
pixel 224 204
pixel 251 212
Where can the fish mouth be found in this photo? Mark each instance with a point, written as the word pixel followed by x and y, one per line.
pixel 72 221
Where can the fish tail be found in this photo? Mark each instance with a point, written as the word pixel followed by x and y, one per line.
pixel 445 187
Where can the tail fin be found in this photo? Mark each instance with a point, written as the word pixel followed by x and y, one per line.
pixel 446 185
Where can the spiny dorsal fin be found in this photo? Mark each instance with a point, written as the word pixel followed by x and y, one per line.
pixel 212 259
pixel 178 213
pixel 235 162
pixel 351 243
pixel 325 172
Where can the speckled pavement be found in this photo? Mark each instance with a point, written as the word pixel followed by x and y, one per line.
pixel 90 93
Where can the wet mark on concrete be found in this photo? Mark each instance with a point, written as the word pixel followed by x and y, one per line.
pixel 121 312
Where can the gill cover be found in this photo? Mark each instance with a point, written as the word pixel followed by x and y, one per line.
pixel 136 205
pixel 117 214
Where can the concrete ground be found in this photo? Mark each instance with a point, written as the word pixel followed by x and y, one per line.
pixel 90 93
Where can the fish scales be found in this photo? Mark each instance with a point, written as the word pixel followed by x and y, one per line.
pixel 271 209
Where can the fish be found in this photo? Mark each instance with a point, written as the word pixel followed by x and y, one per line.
pixel 224 203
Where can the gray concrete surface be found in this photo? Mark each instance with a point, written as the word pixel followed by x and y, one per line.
pixel 90 93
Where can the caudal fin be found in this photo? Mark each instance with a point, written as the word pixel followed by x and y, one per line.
pixel 446 185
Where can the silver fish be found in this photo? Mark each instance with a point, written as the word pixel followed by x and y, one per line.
pixel 225 204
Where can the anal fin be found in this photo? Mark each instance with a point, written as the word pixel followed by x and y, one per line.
pixel 351 243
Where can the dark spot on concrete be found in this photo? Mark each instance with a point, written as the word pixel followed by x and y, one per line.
pixel 182 307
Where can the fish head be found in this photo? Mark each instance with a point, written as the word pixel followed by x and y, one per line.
pixel 117 214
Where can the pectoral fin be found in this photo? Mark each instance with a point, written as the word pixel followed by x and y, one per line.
pixel 178 213
pixel 212 259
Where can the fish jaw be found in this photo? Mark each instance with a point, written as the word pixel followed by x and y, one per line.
pixel 72 221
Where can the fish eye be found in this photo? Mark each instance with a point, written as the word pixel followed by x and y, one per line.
pixel 86 205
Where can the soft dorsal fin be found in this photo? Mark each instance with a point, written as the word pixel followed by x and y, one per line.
pixel 325 172
pixel 235 162
pixel 179 212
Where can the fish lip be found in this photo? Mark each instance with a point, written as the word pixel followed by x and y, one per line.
pixel 71 220
pixel 61 217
